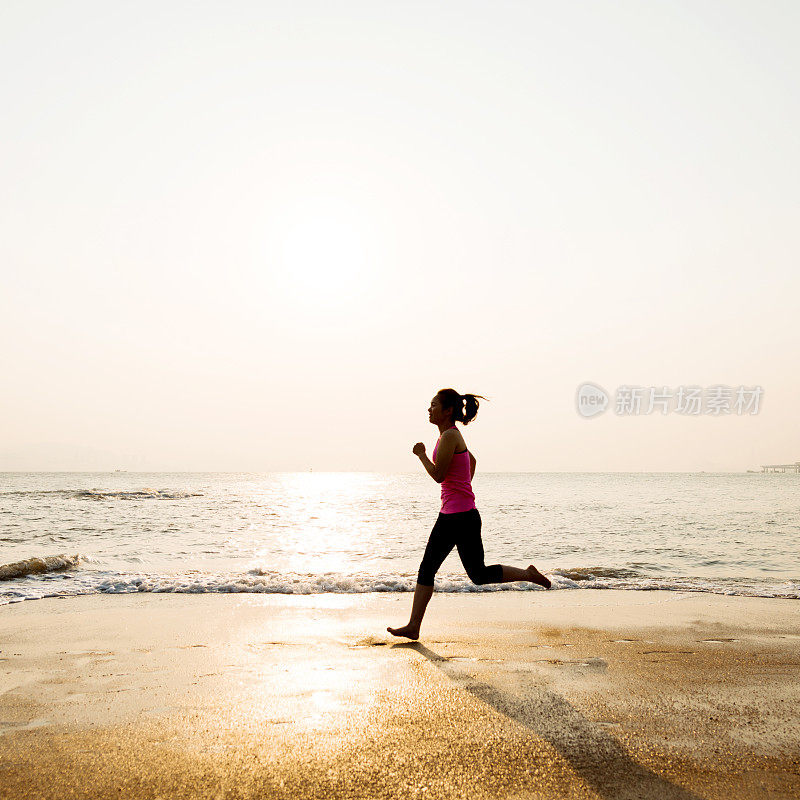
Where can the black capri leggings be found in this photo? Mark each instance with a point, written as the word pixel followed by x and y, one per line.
pixel 461 530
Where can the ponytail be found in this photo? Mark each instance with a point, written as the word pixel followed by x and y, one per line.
pixel 465 406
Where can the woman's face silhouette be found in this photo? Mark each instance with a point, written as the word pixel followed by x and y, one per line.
pixel 436 414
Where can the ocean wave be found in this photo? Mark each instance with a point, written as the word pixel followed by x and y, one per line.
pixel 103 494
pixel 592 573
pixel 259 581
pixel 38 566
pixel 142 494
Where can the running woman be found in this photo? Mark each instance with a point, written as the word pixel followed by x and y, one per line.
pixel 459 523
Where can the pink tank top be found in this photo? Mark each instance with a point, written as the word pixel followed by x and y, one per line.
pixel 457 484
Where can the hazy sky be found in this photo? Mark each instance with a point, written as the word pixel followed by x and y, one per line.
pixel 260 236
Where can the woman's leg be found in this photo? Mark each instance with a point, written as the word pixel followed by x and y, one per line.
pixel 440 543
pixel 532 574
pixel 470 548
pixel 421 596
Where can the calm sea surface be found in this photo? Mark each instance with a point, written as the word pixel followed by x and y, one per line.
pixel 306 533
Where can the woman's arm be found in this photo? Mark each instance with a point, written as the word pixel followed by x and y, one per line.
pixel 444 455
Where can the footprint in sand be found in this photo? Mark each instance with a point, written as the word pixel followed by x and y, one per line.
pixel 369 641
pixel 597 664
pixel 670 652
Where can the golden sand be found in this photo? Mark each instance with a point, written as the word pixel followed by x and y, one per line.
pixel 567 694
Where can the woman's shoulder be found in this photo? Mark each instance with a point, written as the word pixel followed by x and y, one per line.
pixel 457 437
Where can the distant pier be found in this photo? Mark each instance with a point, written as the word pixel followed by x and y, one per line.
pixel 781 467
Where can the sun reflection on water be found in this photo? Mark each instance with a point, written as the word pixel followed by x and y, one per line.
pixel 322 520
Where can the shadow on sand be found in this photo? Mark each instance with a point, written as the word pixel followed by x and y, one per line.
pixel 594 755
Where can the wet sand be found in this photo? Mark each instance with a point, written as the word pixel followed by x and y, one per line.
pixel 566 694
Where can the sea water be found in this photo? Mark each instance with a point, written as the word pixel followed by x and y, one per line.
pixel 66 534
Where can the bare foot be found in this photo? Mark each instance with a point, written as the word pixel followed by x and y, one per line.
pixel 537 577
pixel 406 630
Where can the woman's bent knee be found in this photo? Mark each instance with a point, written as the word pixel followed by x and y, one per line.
pixel 481 577
pixel 478 578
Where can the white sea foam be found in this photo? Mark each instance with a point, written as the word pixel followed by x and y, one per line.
pixel 265 582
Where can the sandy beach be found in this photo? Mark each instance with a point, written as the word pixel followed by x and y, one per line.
pixel 572 694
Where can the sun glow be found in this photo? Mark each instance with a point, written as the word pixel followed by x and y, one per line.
pixel 323 256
